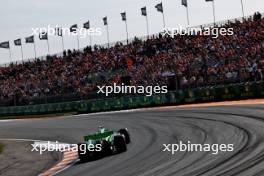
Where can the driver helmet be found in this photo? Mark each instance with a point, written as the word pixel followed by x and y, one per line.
pixel 101 129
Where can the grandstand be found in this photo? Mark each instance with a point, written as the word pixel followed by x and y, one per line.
pixel 191 62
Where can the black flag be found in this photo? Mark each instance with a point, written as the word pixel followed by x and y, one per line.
pixel 74 28
pixel 5 45
pixel 159 7
pixel 17 42
pixel 123 15
pixel 184 3
pixel 43 36
pixel 105 20
pixel 86 25
pixel 30 39
pixel 144 11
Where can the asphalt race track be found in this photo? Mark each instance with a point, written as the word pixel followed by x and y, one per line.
pixel 240 125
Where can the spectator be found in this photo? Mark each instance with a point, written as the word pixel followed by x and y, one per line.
pixel 196 60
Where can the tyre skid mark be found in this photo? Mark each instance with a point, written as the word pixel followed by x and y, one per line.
pixel 70 158
pixel 247 135
pixel 247 164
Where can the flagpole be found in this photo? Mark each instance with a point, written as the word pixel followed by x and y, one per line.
pixel 126 31
pixel 163 16
pixel 62 42
pixel 35 49
pixel 48 46
pixel 22 51
pixel 90 40
pixel 164 24
pixel 242 5
pixel 90 36
pixel 107 28
pixel 147 23
pixel 213 4
pixel 10 56
pixel 78 42
pixel 187 11
pixel 60 33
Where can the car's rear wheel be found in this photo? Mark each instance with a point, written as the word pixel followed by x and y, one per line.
pixel 126 134
pixel 120 144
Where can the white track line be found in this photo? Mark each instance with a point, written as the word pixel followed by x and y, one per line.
pixel 67 158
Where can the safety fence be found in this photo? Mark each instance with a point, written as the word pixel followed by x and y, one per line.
pixel 208 94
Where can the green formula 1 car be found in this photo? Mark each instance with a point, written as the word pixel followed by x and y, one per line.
pixel 103 143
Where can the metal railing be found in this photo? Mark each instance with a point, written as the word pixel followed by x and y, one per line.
pixel 70 97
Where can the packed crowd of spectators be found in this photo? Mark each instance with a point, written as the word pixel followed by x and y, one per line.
pixel 195 60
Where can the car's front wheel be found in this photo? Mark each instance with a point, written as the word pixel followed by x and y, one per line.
pixel 84 154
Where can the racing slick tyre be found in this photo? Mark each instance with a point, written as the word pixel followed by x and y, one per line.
pixel 120 144
pixel 106 148
pixel 84 154
pixel 126 134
